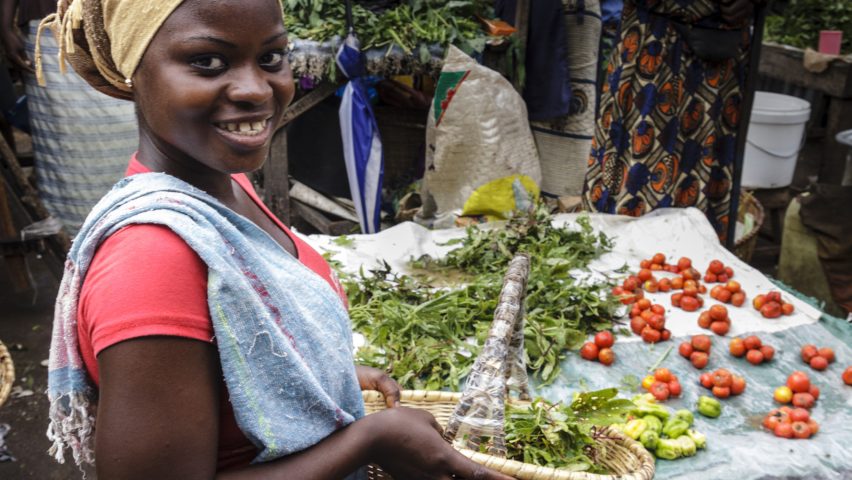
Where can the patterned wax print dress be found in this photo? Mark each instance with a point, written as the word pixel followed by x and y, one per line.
pixel 667 128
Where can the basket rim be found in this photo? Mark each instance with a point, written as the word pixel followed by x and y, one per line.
pixel 7 373
pixel 646 461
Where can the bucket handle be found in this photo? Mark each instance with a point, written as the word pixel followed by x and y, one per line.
pixel 776 154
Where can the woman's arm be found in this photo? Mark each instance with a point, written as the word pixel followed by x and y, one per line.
pixel 158 417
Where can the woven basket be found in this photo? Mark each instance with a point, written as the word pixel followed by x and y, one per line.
pixel 744 246
pixel 7 374
pixel 479 411
pixel 622 456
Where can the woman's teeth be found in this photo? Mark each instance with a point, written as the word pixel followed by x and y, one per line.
pixel 244 128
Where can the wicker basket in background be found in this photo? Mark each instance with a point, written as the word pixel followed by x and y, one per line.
pixel 7 374
pixel 497 370
pixel 744 246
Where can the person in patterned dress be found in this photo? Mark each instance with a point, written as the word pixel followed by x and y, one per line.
pixel 667 131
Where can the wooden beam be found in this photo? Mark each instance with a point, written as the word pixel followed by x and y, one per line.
pixel 310 100
pixel 276 179
pixel 785 63
pixel 16 265
pixel 522 24
pixel 321 222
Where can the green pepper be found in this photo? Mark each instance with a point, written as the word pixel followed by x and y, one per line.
pixel 654 423
pixel 649 439
pixel 647 405
pixel 709 407
pixel 699 438
pixel 668 449
pixel 687 446
pixel 674 428
pixel 635 428
pixel 684 415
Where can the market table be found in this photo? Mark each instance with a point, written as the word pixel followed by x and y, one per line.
pixel 736 441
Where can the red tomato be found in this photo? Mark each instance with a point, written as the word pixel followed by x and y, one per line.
pixel 645 264
pixel 658 309
pixel 800 415
pixel 733 286
pixel 784 430
pixel 645 275
pixel 771 310
pixel 604 339
pixel 704 320
pixel 643 304
pixel 716 267
pixel 758 302
pixel 819 363
pixel 657 322
pixel 771 421
pixel 722 278
pixel 665 334
pixel 676 298
pixel 675 388
pixel 720 328
pixel 768 352
pixel 684 263
pixel 737 347
pixel 803 400
pixel 709 278
pixel 814 426
pixel 722 392
pixel 589 351
pixel 752 342
pixel 606 356
pixel 724 296
pixel 738 299
pixel 706 380
pixel 702 343
pixel 659 259
pixel 799 382
pixel 663 375
pixel 801 430
pixel 808 352
pixel 787 308
pixel 729 271
pixel 722 378
pixel 738 385
pixel 686 349
pixel 664 285
pixel 814 391
pixel 827 353
pixel 677 283
pixel 689 303
pixel 773 296
pixel 637 324
pixel 754 357
pixel 699 359
pixel 718 312
pixel 847 376
pixel 660 391
pixel 649 335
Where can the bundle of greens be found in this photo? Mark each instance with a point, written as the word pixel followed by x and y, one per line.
pixel 798 22
pixel 413 26
pixel 428 338
pixel 563 436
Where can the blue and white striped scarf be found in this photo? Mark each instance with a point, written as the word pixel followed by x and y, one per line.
pixel 283 334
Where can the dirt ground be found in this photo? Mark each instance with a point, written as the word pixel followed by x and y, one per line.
pixel 25 325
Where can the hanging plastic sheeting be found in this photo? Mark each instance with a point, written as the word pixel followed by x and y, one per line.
pixel 362 147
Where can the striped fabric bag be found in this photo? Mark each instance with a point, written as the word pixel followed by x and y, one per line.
pixel 564 143
pixel 82 139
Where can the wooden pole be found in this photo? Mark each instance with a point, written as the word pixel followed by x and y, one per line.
pixel 745 117
pixel 16 264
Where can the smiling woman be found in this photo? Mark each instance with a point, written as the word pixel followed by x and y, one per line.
pixel 181 277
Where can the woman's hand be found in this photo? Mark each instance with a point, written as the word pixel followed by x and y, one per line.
pixel 408 444
pixel 370 378
pixel 16 52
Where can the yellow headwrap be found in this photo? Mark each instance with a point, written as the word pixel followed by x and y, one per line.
pixel 104 40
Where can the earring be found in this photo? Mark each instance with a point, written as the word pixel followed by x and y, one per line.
pixel 128 82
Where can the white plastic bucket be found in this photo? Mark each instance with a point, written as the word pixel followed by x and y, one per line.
pixel 775 136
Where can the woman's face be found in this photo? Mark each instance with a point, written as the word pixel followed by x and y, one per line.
pixel 213 85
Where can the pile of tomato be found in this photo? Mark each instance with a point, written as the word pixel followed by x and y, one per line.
pixel 649 321
pixel 817 358
pixel 600 349
pixel 755 351
pixel 717 272
pixel 723 383
pixel 662 384
pixel 716 319
pixel 697 350
pixel 771 305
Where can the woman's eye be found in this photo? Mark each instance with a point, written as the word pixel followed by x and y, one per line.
pixel 272 59
pixel 211 63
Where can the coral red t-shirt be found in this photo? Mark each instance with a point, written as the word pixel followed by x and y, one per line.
pixel 126 295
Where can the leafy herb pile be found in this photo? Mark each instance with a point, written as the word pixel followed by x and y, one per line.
pixel 412 26
pixel 798 22
pixel 563 436
pixel 428 338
